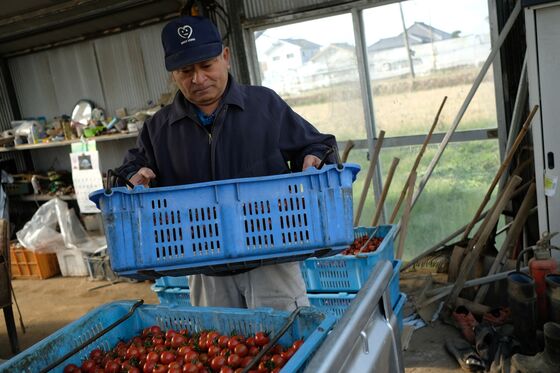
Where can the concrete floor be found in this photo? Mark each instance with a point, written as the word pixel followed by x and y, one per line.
pixel 47 305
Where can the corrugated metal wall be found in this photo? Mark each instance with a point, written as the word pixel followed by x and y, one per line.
pixel 6 116
pixel 259 8
pixel 122 70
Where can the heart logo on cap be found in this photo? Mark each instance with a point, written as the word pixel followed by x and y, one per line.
pixel 185 31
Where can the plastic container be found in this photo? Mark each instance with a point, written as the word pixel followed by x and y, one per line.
pixel 337 303
pixel 173 282
pixel 399 310
pixel 309 324
pixel 71 263
pixel 31 265
pixel 230 224
pixel 348 273
pixel 170 296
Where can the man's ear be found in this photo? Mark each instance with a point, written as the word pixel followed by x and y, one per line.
pixel 225 56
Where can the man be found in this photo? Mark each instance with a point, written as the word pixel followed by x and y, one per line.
pixel 217 129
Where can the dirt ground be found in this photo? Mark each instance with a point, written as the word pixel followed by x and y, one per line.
pixel 48 305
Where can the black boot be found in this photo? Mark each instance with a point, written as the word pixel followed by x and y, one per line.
pixel 547 361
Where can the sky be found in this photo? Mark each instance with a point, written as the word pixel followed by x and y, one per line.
pixel 467 16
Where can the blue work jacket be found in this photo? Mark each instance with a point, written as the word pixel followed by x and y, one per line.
pixel 255 133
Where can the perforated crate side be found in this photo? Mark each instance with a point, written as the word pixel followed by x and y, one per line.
pixel 310 325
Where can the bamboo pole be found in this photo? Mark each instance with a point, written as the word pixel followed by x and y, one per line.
pixel 372 163
pixel 349 145
pixel 484 69
pixel 406 215
pixel 386 187
pixel 417 161
pixel 501 170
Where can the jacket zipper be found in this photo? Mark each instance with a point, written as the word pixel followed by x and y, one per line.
pixel 215 125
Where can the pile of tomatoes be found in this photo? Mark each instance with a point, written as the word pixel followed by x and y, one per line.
pixel 155 351
pixel 359 242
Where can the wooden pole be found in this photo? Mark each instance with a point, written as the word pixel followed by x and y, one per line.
pixel 511 238
pixel 501 170
pixel 482 73
pixel 386 187
pixel 406 215
pixel 473 255
pixel 372 163
pixel 417 161
pixel 349 145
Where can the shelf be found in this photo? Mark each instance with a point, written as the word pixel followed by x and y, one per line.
pixel 68 142
pixel 45 197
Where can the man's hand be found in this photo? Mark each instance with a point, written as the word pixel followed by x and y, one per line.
pixel 311 160
pixel 143 177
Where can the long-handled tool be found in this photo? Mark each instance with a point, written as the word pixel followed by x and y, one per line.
pixel 417 161
pixel 406 216
pixel 372 163
pixel 349 145
pixel 386 186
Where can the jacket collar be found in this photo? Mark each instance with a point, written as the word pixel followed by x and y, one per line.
pixel 182 108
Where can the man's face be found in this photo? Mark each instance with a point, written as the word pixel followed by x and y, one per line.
pixel 204 83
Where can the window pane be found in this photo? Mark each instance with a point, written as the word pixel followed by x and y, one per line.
pixel 315 70
pixel 451 196
pixel 448 42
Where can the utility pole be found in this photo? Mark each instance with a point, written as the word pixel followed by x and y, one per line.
pixel 405 36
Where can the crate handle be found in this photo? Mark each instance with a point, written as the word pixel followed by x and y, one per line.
pixel 326 155
pixel 273 341
pixel 116 175
pixel 94 338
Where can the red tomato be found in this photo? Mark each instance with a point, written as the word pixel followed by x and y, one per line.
pixel 178 340
pixel 253 350
pixel 134 370
pixel 226 369
pixel 88 366
pixel 286 355
pixel 190 356
pixel 278 361
pixel 184 332
pixel 112 367
pixel 190 368
pixel 160 368
pixel 241 350
pixel 203 357
pixel 159 348
pixel 132 352
pixel 154 329
pixel 149 366
pixel 297 344
pixel 234 360
pixel 96 353
pixel 170 333
pixel 250 341
pixel 166 357
pixel 182 351
pixel 223 341
pixel 217 363
pixel 152 356
pixel 70 368
pixel 261 339
pixel 174 368
pixel 233 341
pixel 246 361
pixel 214 351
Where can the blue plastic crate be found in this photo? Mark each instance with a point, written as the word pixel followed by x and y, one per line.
pixel 169 296
pixel 337 303
pixel 348 273
pixel 229 224
pixel 399 310
pixel 173 282
pixel 310 325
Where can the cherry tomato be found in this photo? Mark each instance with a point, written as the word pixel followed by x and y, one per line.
pixel 217 362
pixel 190 368
pixel 261 339
pixel 166 357
pixel 241 350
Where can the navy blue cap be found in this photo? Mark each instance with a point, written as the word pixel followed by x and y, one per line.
pixel 188 40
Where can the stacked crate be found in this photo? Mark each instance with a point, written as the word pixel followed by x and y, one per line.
pixel 173 290
pixel 332 283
